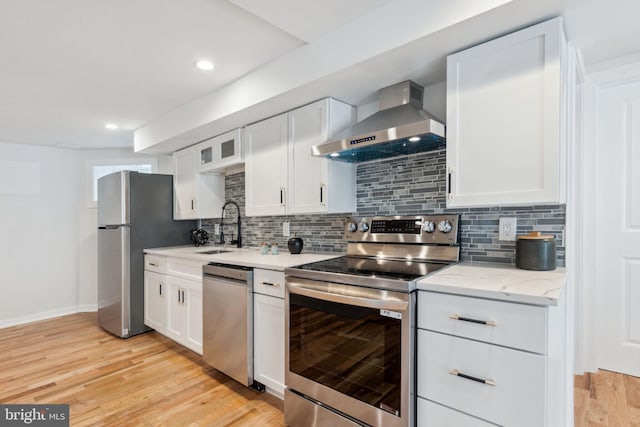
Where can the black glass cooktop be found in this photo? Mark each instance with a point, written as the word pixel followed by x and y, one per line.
pixel 375 268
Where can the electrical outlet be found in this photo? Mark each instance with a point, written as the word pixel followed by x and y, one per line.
pixel 285 229
pixel 507 229
pixel 216 229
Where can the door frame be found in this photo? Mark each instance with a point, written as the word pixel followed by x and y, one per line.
pixel 607 74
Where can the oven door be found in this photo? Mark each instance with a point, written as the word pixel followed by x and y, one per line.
pixel 351 348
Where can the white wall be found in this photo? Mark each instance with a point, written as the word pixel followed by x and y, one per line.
pixel 47 231
pixel 38 233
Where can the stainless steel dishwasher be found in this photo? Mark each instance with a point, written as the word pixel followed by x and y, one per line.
pixel 228 320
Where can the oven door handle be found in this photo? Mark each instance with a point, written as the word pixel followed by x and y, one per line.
pixel 381 303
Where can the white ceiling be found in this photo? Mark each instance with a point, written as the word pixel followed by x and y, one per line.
pixel 70 66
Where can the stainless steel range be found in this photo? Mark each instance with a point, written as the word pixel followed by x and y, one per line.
pixel 350 323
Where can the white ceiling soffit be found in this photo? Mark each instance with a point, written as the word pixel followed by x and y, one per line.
pixel 387 27
pixel 604 30
pixel 309 20
pixel 69 66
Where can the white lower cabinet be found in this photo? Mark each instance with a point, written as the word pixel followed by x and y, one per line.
pixel 184 323
pixel 173 299
pixel 432 415
pixel 269 332
pixel 478 367
pixel 268 363
pixel 519 326
pixel 514 392
pixel 155 300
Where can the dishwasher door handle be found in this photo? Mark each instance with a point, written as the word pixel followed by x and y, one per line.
pixel 217 280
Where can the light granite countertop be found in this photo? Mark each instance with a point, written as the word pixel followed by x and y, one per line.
pixel 248 257
pixel 497 281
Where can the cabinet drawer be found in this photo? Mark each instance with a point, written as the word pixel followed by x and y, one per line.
pixel 431 414
pixel 185 268
pixel 517 396
pixel 268 282
pixel 157 263
pixel 514 325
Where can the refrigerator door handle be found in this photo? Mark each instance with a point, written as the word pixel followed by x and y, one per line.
pixel 125 253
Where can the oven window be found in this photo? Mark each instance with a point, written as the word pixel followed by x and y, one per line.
pixel 354 350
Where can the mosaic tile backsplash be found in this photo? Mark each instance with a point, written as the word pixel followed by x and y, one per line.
pixel 402 186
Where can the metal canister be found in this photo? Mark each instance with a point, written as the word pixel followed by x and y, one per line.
pixel 536 251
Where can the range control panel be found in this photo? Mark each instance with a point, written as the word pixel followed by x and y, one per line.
pixel 440 229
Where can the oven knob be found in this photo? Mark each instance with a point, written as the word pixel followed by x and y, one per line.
pixel 353 227
pixel 428 226
pixel 364 227
pixel 444 226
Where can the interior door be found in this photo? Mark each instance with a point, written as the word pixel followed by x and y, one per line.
pixel 618 233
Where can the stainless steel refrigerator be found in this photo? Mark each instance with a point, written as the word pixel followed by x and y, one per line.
pixel 135 211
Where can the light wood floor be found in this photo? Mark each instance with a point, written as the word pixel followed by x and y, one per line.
pixel 607 399
pixel 148 380
pixel 145 380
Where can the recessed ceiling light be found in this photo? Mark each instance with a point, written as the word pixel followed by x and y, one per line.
pixel 205 65
pixel 414 139
pixel 111 126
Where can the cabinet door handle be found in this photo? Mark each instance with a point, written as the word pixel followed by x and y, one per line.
pixel 153 264
pixel 282 195
pixel 179 295
pixel 270 284
pixel 193 202
pixel 322 194
pixel 160 288
pixel 183 297
pixel 457 373
pixel 449 173
pixel 470 320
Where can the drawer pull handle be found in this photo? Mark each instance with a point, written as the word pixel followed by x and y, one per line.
pixel 468 319
pixel 153 264
pixel 269 284
pixel 457 373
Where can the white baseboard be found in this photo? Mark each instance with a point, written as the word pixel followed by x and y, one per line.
pixel 15 321
pixel 87 308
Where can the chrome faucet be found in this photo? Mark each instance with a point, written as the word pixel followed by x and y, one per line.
pixel 238 241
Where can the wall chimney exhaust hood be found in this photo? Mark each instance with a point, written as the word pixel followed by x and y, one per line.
pixel 400 127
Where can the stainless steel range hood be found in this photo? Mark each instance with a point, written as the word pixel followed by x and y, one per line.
pixel 400 127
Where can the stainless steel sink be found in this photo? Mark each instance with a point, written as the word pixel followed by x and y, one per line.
pixel 213 252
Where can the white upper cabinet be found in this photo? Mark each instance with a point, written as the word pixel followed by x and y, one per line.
pixel 506 102
pixel 221 152
pixel 266 167
pixel 195 195
pixel 282 177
